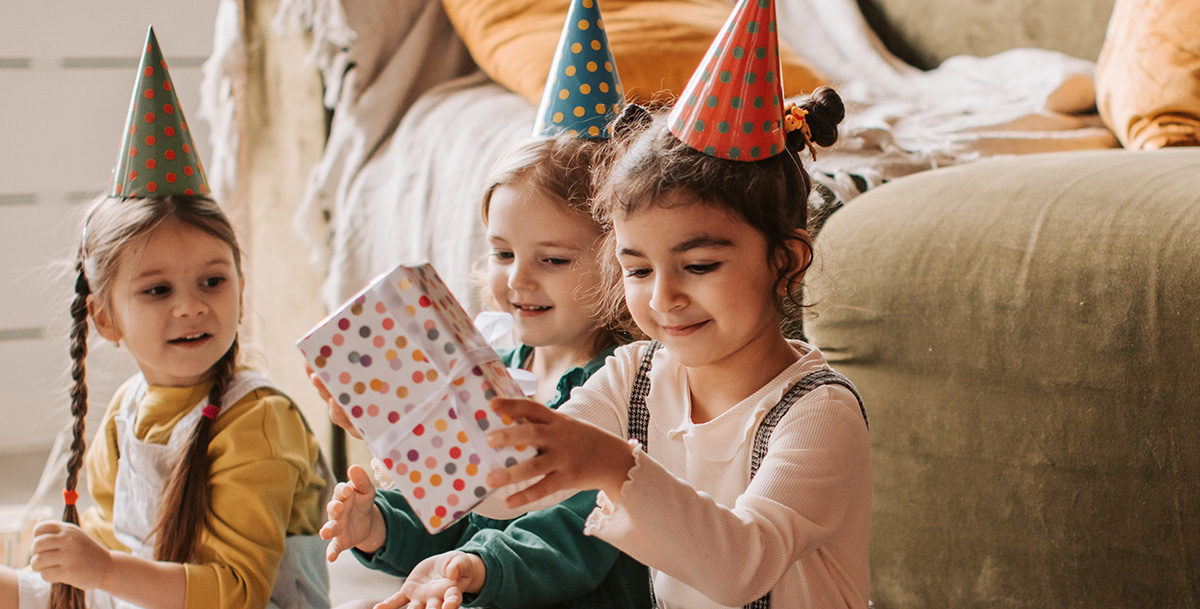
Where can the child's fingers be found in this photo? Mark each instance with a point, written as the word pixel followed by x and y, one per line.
pixel 525 470
pixel 332 551
pixel 47 527
pixel 335 508
pixel 360 479
pixel 398 600
pixel 518 408
pixel 318 383
pixel 544 487
pixel 327 531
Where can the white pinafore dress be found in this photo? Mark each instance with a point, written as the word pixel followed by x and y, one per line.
pixel 303 578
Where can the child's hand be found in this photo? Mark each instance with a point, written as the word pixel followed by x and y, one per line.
pixel 336 413
pixel 438 582
pixel 63 553
pixel 354 521
pixel 572 454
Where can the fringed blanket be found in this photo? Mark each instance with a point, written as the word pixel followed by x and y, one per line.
pixel 416 127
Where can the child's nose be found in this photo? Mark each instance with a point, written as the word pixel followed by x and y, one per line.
pixel 521 275
pixel 667 294
pixel 190 304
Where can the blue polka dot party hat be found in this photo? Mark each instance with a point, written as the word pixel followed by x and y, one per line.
pixel 583 93
pixel 732 107
pixel 157 157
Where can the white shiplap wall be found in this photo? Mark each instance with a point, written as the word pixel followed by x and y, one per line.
pixel 66 72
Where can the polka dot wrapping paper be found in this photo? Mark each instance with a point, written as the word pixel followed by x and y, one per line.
pixel 414 374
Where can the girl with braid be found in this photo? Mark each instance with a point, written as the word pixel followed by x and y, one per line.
pixel 732 461
pixel 208 485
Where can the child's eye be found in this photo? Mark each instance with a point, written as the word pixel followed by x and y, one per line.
pixel 637 273
pixel 700 269
pixel 557 261
pixel 502 255
pixel 213 282
pixel 158 290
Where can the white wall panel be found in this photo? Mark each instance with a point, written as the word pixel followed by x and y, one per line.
pixel 67 69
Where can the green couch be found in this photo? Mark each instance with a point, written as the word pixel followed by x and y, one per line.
pixel 1025 332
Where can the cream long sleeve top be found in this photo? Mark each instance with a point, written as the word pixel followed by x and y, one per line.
pixel 711 536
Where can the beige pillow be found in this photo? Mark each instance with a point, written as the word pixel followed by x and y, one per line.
pixel 1148 74
pixel 656 44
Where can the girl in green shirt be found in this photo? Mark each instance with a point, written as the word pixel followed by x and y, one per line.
pixel 544 268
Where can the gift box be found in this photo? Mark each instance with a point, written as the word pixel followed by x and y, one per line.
pixel 414 374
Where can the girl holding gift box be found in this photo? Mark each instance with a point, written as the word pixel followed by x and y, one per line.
pixel 208 485
pixel 542 269
pixel 732 461
pixel 544 260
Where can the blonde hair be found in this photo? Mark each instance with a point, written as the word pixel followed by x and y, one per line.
pixel 111 227
pixel 564 168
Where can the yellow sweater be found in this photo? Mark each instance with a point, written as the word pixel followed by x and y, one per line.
pixel 263 483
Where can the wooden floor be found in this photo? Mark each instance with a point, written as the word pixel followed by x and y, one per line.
pixel 349 580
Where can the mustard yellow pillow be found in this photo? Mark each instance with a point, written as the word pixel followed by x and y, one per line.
pixel 656 44
pixel 1148 73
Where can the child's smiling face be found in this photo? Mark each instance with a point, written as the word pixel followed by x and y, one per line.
pixel 697 279
pixel 175 303
pixel 543 262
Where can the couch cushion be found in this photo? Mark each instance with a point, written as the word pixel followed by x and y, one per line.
pixel 1148 74
pixel 1025 333
pixel 656 44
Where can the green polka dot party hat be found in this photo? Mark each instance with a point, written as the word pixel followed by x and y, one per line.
pixel 732 108
pixel 583 93
pixel 157 157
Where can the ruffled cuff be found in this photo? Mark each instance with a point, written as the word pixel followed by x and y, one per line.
pixel 610 518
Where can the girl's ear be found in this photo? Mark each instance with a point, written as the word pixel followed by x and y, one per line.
pixel 800 246
pixel 105 324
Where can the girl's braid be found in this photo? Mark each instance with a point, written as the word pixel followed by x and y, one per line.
pixel 63 596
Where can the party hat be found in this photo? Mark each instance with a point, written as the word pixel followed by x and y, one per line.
pixel 583 93
pixel 157 158
pixel 732 107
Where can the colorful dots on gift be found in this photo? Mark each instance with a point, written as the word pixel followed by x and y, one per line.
pixel 455 452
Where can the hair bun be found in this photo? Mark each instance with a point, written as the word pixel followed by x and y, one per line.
pixel 825 110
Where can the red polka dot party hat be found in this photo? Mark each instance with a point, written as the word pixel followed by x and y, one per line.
pixel 583 93
pixel 732 107
pixel 157 157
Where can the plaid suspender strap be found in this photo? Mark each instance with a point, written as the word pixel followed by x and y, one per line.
pixel 762 436
pixel 639 415
pixel 639 418
pixel 639 422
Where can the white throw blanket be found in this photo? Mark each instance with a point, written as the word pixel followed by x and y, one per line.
pixel 416 128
